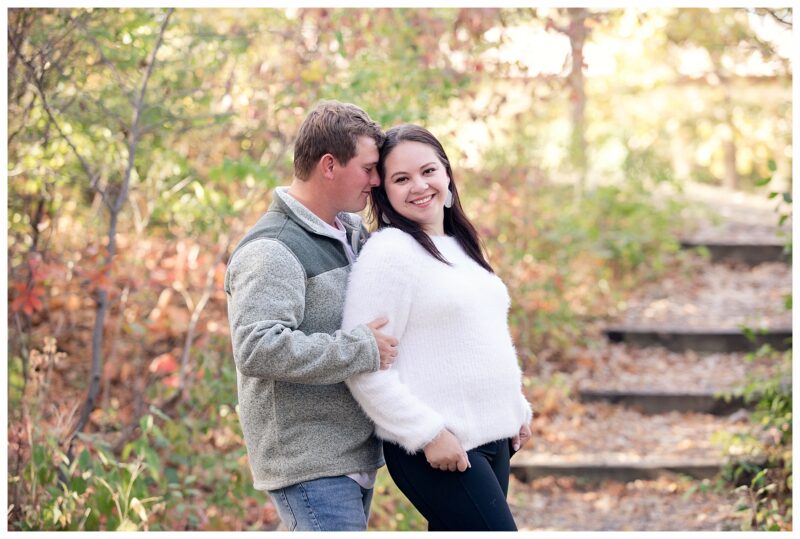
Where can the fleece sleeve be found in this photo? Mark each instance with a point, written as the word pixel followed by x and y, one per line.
pixel 265 285
pixel 382 284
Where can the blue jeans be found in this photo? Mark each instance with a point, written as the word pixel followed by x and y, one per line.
pixel 325 504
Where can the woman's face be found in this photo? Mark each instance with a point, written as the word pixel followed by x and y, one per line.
pixel 416 184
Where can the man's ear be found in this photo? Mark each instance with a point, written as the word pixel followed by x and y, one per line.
pixel 326 164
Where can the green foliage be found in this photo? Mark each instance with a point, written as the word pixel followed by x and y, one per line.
pixel 208 486
pixel 391 510
pixel 100 492
pixel 568 261
pixel 642 166
pixel 766 498
pixel 16 385
pixel 766 495
pixel 164 467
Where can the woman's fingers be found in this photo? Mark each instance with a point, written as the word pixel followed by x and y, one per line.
pixel 524 434
pixel 445 453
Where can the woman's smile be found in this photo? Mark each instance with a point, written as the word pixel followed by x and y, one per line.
pixel 423 202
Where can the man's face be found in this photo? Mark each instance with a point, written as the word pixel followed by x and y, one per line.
pixel 355 180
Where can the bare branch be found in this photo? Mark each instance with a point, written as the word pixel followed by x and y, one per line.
pixel 39 85
pixel 783 19
pixel 111 115
pixel 224 243
pixel 23 122
pixel 133 135
pixel 182 389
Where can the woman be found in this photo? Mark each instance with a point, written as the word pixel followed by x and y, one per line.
pixel 450 410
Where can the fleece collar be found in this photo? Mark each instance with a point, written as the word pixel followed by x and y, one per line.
pixel 286 203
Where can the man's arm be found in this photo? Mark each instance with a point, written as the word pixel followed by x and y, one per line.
pixel 266 303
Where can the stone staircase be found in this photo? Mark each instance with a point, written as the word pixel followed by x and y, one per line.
pixel 650 413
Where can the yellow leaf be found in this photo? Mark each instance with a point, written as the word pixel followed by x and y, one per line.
pixel 127 525
pixel 139 509
pixel 313 73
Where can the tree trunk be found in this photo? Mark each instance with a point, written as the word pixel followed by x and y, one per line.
pixel 114 207
pixel 731 179
pixel 577 37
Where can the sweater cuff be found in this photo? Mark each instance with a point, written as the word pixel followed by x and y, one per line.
pixel 424 435
pixel 528 410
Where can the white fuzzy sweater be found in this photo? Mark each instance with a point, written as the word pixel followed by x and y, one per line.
pixel 456 365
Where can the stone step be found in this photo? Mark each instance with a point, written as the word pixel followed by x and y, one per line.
pixel 529 465
pixel 722 340
pixel 657 379
pixel 659 401
pixel 751 254
pixel 599 440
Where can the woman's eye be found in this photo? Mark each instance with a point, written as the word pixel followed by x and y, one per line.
pixel 429 170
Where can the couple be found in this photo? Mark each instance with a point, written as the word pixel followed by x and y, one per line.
pixel 412 345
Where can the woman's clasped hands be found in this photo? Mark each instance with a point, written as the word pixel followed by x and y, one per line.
pixel 445 453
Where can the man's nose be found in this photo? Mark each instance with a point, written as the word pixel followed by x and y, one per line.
pixel 374 179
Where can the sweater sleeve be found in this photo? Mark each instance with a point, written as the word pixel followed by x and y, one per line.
pixel 382 284
pixel 265 285
pixel 526 406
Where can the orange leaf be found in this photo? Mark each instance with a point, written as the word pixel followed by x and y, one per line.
pixel 164 364
pixel 28 300
pixel 73 303
pixel 171 381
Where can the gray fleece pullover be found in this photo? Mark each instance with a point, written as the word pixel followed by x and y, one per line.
pixel 285 285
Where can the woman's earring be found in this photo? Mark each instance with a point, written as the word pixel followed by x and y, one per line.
pixel 448 200
pixel 385 219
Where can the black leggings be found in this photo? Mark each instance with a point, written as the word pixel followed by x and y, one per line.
pixel 474 500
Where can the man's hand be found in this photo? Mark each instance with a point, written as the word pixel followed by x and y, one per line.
pixel 522 437
pixel 387 345
pixel 445 453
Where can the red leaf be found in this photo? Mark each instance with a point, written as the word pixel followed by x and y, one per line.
pixel 164 364
pixel 29 299
pixel 16 305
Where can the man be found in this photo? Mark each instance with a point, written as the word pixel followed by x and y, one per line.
pixel 309 444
